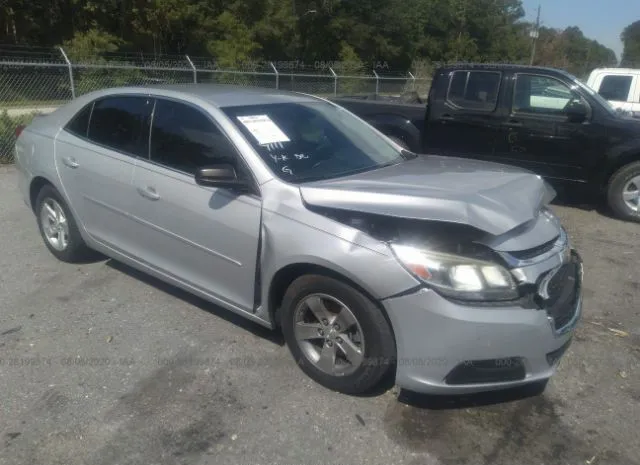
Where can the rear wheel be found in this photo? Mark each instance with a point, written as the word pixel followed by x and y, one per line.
pixel 624 192
pixel 338 336
pixel 58 227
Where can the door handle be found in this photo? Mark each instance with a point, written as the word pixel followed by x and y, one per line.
pixel 70 162
pixel 513 124
pixel 148 192
pixel 446 118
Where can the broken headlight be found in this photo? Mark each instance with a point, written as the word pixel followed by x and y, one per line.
pixel 457 276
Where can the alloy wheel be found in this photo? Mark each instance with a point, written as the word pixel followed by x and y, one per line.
pixel 329 334
pixel 54 224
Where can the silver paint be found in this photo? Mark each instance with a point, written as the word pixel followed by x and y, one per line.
pixel 205 240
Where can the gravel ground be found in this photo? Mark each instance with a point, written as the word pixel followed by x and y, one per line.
pixel 100 364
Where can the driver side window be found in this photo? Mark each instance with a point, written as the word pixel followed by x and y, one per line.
pixel 541 95
pixel 185 139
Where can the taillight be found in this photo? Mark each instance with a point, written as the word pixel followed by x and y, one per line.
pixel 19 130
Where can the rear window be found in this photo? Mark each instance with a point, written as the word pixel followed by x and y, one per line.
pixel 122 123
pixel 616 88
pixel 79 125
pixel 474 90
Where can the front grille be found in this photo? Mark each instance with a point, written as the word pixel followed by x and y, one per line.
pixel 563 291
pixel 534 252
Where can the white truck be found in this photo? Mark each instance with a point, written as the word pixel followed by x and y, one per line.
pixel 620 86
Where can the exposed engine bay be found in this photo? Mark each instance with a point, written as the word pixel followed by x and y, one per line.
pixel 432 235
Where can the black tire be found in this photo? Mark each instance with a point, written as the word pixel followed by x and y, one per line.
pixel 379 348
pixel 617 184
pixel 76 250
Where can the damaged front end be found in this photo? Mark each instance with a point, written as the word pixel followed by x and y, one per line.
pixel 465 264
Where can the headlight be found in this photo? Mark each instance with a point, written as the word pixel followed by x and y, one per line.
pixel 458 277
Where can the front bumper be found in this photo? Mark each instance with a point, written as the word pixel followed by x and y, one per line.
pixel 448 348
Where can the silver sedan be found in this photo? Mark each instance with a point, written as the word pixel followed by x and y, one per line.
pixel 289 210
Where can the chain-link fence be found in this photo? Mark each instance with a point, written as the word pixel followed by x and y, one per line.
pixel 36 81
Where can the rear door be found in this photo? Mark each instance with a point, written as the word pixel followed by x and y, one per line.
pixel 464 115
pixel 539 136
pixel 206 237
pixel 95 156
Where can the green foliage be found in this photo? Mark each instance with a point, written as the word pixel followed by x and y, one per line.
pixel 8 126
pixel 235 45
pixel 89 45
pixel 571 50
pixel 396 32
pixel 631 39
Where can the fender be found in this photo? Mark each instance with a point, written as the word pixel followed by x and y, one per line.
pixel 616 157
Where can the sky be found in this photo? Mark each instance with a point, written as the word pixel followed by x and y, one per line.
pixel 602 20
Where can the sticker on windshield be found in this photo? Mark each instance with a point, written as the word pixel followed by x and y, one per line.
pixel 263 129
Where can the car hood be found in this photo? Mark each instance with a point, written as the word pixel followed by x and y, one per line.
pixel 488 196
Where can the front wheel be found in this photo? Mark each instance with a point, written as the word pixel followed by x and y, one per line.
pixel 338 336
pixel 624 192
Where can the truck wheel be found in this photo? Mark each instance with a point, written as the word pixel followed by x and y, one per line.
pixel 624 192
pixel 337 335
pixel 58 227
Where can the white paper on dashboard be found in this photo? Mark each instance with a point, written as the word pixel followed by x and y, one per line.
pixel 263 129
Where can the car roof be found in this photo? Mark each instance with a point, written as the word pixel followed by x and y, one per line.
pixel 224 95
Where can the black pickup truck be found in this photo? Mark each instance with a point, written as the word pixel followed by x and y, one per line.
pixel 541 119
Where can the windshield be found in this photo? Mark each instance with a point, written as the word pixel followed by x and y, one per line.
pixel 313 140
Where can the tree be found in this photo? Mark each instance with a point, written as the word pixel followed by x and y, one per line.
pixel 395 32
pixel 631 39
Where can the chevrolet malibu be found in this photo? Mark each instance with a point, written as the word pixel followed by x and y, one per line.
pixel 287 209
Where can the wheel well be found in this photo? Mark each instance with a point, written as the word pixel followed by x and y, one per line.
pixel 287 275
pixel 34 189
pixel 617 166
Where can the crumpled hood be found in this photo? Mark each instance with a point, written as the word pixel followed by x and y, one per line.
pixel 488 196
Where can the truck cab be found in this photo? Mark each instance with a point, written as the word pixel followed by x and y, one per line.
pixel 541 119
pixel 620 86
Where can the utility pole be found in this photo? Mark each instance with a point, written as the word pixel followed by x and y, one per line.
pixel 534 35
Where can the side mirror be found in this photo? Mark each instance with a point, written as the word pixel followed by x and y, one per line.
pixel 576 111
pixel 219 175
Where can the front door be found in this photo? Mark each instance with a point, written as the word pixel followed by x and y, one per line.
pixel 539 136
pixel 206 237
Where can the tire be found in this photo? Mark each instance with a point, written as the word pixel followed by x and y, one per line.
pixel 370 333
pixel 625 181
pixel 71 250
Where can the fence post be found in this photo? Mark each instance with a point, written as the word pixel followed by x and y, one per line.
pixel 275 70
pixel 73 86
pixel 377 82
pixel 414 81
pixel 195 71
pixel 335 82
